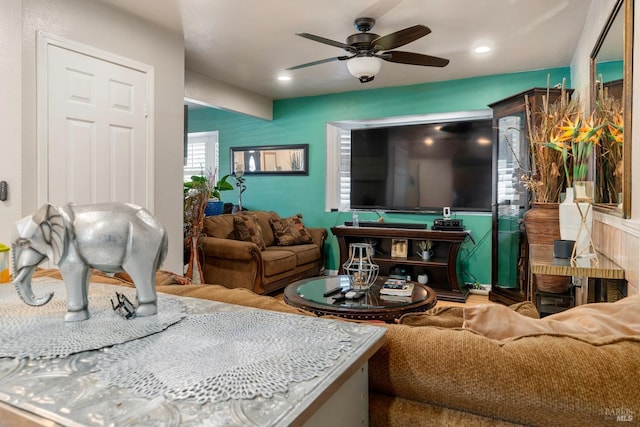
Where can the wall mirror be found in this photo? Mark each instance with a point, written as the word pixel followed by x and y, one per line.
pixel 271 160
pixel 611 74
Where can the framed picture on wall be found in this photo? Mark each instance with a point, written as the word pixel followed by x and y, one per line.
pixel 399 248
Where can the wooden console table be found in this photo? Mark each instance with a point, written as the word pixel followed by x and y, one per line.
pixel 442 268
pixel 541 261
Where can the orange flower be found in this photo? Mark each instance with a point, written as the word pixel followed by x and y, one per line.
pixel 616 128
pixel 589 131
pixel 569 130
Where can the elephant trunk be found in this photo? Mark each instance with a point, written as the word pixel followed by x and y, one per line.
pixel 22 282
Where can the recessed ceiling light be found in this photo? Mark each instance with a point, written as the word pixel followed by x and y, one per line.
pixel 482 49
pixel 284 78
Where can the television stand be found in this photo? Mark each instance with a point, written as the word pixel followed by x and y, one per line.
pixel 442 268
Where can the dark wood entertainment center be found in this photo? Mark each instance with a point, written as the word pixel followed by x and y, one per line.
pixel 442 268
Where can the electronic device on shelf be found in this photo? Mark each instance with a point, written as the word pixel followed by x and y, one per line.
pixel 377 224
pixel 447 224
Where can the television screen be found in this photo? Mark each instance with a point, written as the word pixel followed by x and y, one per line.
pixel 423 167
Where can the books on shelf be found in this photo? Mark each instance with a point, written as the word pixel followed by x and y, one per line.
pixel 397 287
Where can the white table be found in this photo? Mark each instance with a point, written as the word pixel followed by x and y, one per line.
pixel 66 391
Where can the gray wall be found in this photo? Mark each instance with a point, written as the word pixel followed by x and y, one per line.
pixel 98 25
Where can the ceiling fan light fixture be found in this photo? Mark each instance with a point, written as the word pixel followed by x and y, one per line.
pixel 482 49
pixel 364 68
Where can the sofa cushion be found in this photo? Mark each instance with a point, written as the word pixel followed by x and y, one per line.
pixel 277 261
pixel 290 231
pixel 247 229
pixel 304 253
pixel 621 318
pixel 220 226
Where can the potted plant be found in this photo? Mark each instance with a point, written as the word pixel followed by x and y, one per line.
pixel 215 205
pixel 575 140
pixel 546 181
pixel 221 185
pixel 426 249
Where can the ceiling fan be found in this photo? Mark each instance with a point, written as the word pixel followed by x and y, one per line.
pixel 368 49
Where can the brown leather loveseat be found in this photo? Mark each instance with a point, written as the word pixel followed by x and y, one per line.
pixel 243 251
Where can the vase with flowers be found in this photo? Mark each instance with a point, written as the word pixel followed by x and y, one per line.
pixel 609 165
pixel 575 140
pixel 545 180
pixel 197 195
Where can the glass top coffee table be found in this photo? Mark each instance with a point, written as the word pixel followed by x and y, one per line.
pixel 308 295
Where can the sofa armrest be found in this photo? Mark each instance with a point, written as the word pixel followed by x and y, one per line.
pixel 232 263
pixel 534 380
pixel 229 249
pixel 319 236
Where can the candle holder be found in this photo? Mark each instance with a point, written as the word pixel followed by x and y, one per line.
pixel 360 268
pixel 238 174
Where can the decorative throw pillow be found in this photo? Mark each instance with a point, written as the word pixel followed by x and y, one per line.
pixel 247 229
pixel 290 231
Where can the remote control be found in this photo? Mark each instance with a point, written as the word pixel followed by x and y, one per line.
pixel 354 295
pixel 339 298
pixel 332 291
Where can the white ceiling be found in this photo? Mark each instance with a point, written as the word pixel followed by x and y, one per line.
pixel 248 43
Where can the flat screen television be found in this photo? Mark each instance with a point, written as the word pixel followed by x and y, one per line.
pixel 423 167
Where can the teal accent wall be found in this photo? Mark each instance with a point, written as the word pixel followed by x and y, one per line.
pixel 303 121
pixel 610 70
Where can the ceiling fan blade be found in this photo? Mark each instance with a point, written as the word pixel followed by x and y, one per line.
pixel 400 38
pixel 321 61
pixel 327 41
pixel 379 8
pixel 413 59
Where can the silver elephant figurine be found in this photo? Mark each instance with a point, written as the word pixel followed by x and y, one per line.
pixel 111 237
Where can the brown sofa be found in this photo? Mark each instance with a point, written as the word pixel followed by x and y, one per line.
pixel 432 370
pixel 236 263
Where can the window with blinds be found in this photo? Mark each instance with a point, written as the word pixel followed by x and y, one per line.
pixel 202 154
pixel 338 172
pixel 344 172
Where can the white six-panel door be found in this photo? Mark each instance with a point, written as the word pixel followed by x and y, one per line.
pixel 95 143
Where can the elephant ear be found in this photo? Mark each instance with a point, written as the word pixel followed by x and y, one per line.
pixel 51 225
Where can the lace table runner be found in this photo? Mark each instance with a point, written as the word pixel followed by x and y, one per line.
pixel 41 332
pixel 221 356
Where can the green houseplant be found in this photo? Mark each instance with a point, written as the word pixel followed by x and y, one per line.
pixel 212 190
pixel 202 182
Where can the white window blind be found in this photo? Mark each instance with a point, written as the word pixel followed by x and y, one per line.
pixel 344 172
pixel 202 154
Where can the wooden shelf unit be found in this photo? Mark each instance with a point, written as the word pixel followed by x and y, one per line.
pixel 442 268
